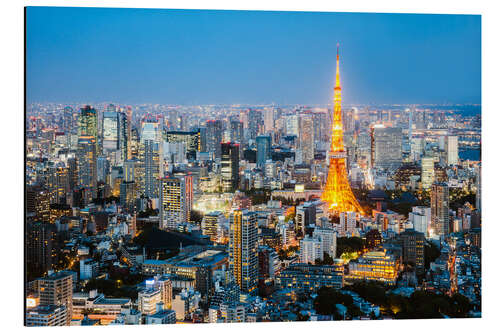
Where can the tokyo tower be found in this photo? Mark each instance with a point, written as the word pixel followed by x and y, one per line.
pixel 337 192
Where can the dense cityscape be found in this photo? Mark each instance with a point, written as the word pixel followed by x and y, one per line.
pixel 162 214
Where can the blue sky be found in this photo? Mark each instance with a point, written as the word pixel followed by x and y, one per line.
pixel 220 57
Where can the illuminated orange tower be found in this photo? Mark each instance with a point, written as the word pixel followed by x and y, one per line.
pixel 337 192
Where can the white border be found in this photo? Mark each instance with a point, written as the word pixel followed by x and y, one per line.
pixel 12 101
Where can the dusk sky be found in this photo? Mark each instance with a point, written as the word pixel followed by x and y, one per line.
pixel 221 57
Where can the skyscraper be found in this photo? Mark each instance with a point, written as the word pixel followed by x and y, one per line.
pixel 255 122
pixel 451 148
pixel 387 147
pixel 150 156
pixel 427 173
pixel 440 219
pixel 110 128
pixel 306 138
pixel 412 243
pixel 87 163
pixel 236 131
pixel 87 122
pixel 263 149
pixel 243 249
pixel 337 192
pixel 230 164
pixel 176 200
pixel 214 137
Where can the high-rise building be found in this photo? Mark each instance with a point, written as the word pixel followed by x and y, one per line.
pixel 451 148
pixel 328 239
pixel 150 156
pixel 176 200
pixel 230 164
pixel 40 247
pixel 255 123
pixel 236 131
pixel 412 244
pixel 57 289
pixel 440 218
pixel 211 224
pixel 420 217
pixel 87 163
pixel 68 120
pixel 269 120
pixel 87 122
pixel 243 249
pixel 191 139
pixel 310 250
pixel 292 124
pixel 337 192
pixel 214 137
pixel 110 129
pixel 306 138
pixel 347 223
pixel 263 149
pixel 387 147
pixel 427 173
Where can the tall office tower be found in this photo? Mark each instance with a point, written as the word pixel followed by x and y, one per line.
pixel 440 218
pixel 328 239
pixel 72 173
pixel 410 125
pixel 87 163
pixel 263 149
pixel 427 173
pixel 230 165
pixel 87 122
pixel 305 216
pixel 292 124
pixel 337 192
pixel 348 119
pixel 192 141
pixel 412 244
pixel 306 138
pixel 68 120
pixel 243 249
pixel 129 114
pixel 102 169
pixel 236 131
pixel 57 289
pixel 110 128
pixel 347 223
pixel 269 120
pixel 176 195
pixel 416 148
pixel 387 147
pixel 211 224
pixel 255 123
pixel 123 135
pixel 319 125
pixel 214 137
pixel 57 183
pixel 150 156
pixel 41 248
pixel 174 120
pixel 451 148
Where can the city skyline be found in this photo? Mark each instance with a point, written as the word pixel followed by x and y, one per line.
pixel 139 56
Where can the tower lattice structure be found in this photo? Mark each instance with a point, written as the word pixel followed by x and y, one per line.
pixel 337 192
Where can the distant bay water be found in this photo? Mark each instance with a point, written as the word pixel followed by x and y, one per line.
pixel 470 154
